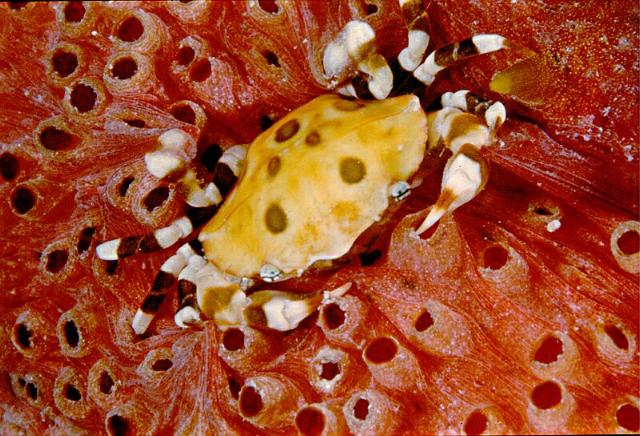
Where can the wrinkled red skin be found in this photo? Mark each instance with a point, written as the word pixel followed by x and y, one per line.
pixel 570 143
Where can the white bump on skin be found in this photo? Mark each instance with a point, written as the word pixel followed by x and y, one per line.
pixel 553 226
pixel 411 56
pixel 108 250
pixel 487 43
pixel 141 322
pixel 283 314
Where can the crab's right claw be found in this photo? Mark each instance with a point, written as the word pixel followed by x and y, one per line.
pixel 464 176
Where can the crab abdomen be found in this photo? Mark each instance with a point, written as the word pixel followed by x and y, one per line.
pixel 314 182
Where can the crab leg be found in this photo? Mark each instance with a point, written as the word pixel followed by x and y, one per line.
pixel 452 53
pixel 165 162
pixel 165 278
pixel 464 134
pixel 418 38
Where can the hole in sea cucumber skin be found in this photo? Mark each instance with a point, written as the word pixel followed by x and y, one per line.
pixel 140 124
pixel 110 267
pixel 271 58
pixel 185 55
pixel 495 257
pixel 22 335
pixel 371 9
pixel 310 421
pixel 124 185
pixel 131 29
pixel 105 383
pixel 269 6
pixel 628 417
pixel 424 321
pixel 333 316
pixel 265 122
pixel 84 240
pixel 71 393
pixel 250 402
pixel 124 68
pixel 156 198
pixel 9 166
pixel 361 409
pixel 381 350
pixel 617 336
pixel 56 260
pixel 549 351
pixel 184 113
pixel 64 63
pixel 55 139
pixel 74 12
pixel 475 424
pixel 83 97
pixel 162 365
pixel 329 370
pixel 23 199
pixel 201 70
pixel 234 387
pixel 629 242
pixel 118 426
pixel 546 395
pixel 233 339
pixel 31 390
pixel 71 334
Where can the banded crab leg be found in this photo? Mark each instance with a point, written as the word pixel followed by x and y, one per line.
pixel 451 54
pixel 168 162
pixel 465 124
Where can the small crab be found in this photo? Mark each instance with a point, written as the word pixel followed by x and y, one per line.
pixel 309 186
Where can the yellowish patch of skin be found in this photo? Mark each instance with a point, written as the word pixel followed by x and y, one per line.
pixel 324 214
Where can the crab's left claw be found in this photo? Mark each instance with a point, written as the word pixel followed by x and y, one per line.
pixel 284 311
pixel 464 176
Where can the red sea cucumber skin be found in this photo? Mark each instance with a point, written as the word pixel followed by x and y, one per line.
pixel 468 307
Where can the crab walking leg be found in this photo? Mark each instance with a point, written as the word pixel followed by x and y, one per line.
pixel 494 113
pixel 188 312
pixel 452 53
pixel 466 171
pixel 165 278
pixel 355 46
pixel 417 20
pixel 203 202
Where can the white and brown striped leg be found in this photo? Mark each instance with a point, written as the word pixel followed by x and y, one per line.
pixel 164 280
pixel 464 133
pixel 450 54
pixel 493 112
pixel 203 202
pixel 417 22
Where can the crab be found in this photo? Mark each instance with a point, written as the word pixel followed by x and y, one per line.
pixel 305 189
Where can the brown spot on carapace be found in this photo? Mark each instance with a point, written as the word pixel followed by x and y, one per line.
pixel 274 166
pixel 275 219
pixel 287 130
pixel 352 170
pixel 312 138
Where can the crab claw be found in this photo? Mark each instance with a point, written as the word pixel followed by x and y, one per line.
pixel 464 177
pixel 284 311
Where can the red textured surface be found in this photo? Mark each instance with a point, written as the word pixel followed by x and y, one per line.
pixel 495 283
